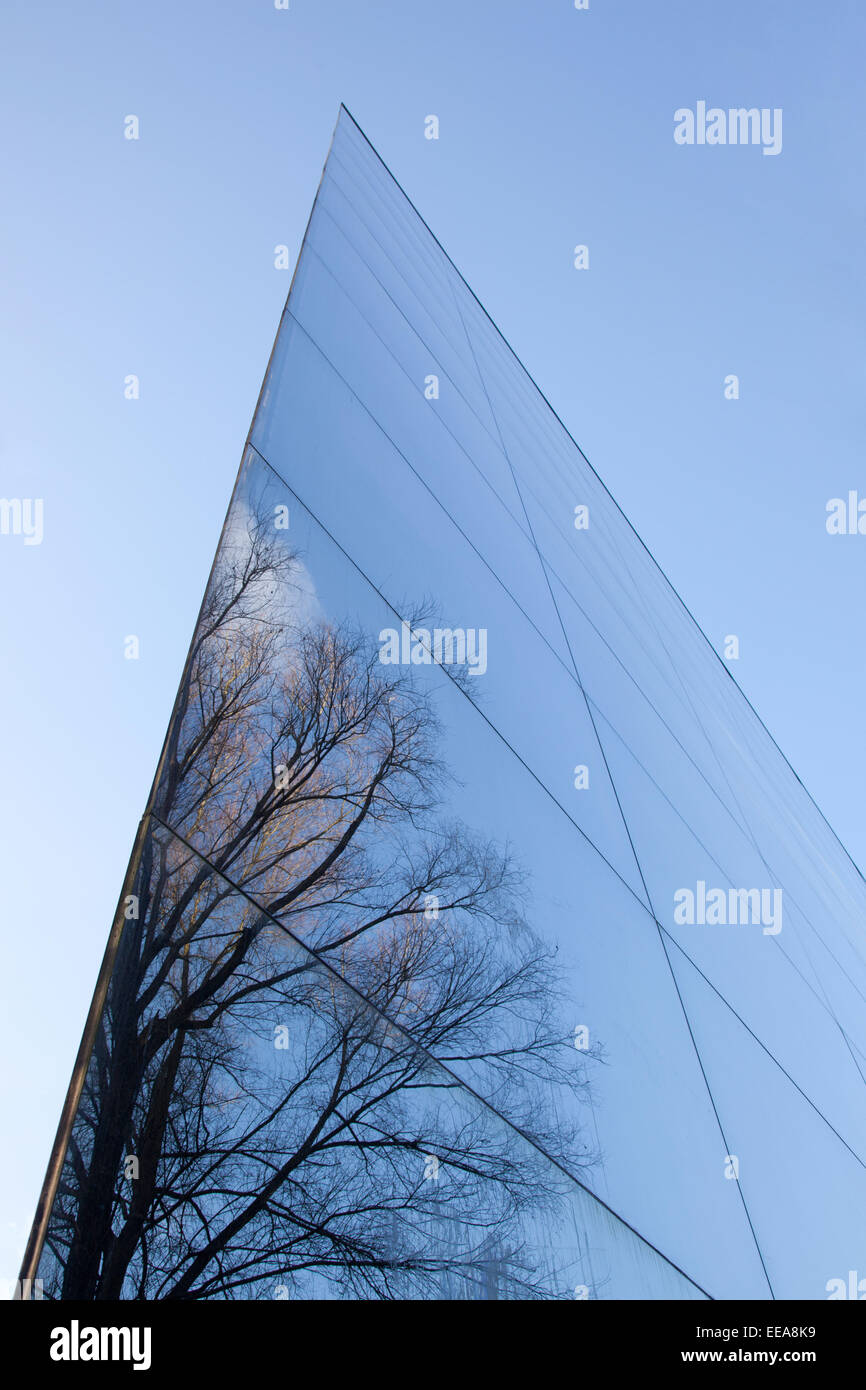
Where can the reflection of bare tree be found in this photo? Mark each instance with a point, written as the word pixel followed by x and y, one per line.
pixel 286 1127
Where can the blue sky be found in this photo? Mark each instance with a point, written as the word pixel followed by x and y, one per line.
pixel 156 257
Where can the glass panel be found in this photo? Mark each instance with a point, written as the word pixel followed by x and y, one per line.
pixel 795 1176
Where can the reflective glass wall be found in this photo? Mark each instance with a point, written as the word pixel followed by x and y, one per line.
pixel 479 941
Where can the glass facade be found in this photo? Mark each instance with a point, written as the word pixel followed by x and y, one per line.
pixel 478 941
